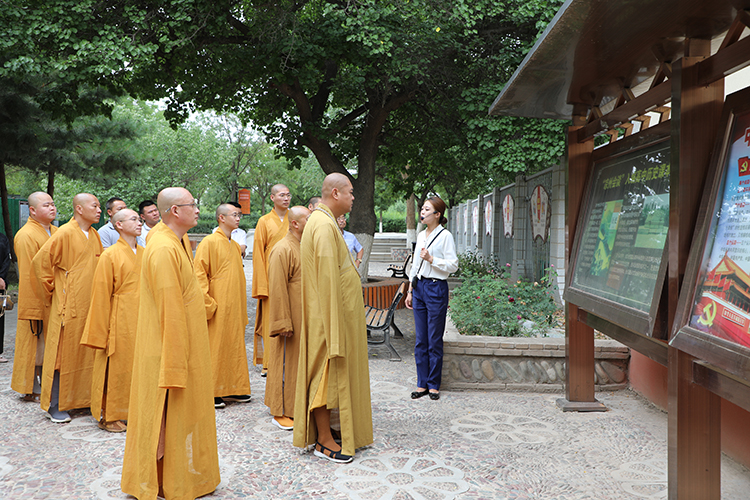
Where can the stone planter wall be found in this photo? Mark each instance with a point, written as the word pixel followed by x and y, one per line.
pixel 524 364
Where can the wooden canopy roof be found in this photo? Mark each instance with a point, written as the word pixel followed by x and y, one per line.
pixel 598 51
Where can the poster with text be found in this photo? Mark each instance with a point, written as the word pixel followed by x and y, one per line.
pixel 722 297
pixel 625 228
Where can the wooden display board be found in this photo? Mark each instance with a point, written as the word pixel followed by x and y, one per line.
pixel 713 315
pixel 619 263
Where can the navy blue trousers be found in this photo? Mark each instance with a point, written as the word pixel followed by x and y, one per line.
pixel 430 303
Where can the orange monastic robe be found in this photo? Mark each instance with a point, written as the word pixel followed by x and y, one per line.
pixel 33 315
pixel 64 269
pixel 269 231
pixel 218 266
pixel 333 370
pixel 110 329
pixel 285 315
pixel 171 379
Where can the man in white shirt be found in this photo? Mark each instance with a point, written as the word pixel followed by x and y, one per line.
pixel 149 215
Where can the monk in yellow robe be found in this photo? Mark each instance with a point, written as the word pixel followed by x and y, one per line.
pixel 171 448
pixel 285 320
pixel 110 326
pixel 64 269
pixel 271 228
pixel 33 315
pixel 218 266
pixel 333 372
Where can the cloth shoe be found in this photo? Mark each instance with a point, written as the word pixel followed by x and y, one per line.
pixel 57 416
pixel 219 403
pixel 283 423
pixel 244 398
pixel 3 359
pixel 333 456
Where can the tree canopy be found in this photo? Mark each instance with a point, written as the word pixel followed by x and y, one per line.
pixel 412 79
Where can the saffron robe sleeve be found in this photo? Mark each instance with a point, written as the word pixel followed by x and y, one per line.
pixel 333 367
pixel 171 379
pixel 33 314
pixel 64 268
pixel 218 267
pixel 110 329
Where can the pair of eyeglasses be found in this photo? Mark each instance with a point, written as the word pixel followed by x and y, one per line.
pixel 193 204
pixel 284 195
pixel 238 215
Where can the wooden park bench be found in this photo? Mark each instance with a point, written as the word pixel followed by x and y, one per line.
pixel 399 270
pixel 381 320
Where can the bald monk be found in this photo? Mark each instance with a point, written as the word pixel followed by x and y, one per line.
pixel 271 228
pixel 285 320
pixel 110 326
pixel 33 314
pixel 333 373
pixel 171 448
pixel 64 269
pixel 218 265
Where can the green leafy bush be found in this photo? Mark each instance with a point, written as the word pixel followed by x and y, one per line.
pixel 490 304
pixel 474 264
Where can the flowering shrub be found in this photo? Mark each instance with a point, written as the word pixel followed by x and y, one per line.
pixel 489 304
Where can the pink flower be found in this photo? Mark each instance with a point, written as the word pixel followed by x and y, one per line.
pixel 511 299
pixel 477 297
pixel 552 266
pixel 519 316
pixel 507 264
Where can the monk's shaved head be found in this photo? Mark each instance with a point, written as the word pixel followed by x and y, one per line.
pixel 37 198
pixel 298 213
pixel 171 196
pixel 224 209
pixel 83 198
pixel 334 181
pixel 123 214
pixel 278 187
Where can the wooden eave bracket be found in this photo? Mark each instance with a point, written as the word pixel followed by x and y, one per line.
pixel 741 21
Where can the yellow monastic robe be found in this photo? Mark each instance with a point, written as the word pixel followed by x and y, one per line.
pixel 269 231
pixel 110 329
pixel 218 266
pixel 171 379
pixel 333 371
pixel 285 315
pixel 160 226
pixel 64 269
pixel 33 314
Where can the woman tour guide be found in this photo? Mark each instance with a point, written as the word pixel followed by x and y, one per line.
pixel 434 260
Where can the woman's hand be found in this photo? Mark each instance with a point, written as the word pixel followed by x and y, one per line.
pixel 425 255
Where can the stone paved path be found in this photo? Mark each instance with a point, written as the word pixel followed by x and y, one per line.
pixel 468 445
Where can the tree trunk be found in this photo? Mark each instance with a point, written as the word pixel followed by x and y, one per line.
pixel 411 222
pixel 51 182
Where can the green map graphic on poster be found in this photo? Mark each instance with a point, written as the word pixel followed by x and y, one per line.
pixel 606 238
pixel 654 223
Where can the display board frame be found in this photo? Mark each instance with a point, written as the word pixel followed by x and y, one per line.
pixel 640 321
pixel 724 353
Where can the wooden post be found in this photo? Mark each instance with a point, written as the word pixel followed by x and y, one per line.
pixel 579 337
pixel 694 432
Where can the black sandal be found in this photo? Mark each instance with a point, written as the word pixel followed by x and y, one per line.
pixel 333 456
pixel 419 394
pixel 434 396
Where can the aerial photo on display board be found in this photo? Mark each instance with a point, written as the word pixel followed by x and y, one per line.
pixel 627 219
pixel 722 298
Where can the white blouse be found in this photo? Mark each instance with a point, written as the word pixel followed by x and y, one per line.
pixel 443 251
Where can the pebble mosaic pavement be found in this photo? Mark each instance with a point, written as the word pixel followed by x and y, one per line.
pixel 466 446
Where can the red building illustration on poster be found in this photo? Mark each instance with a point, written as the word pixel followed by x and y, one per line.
pixel 724 306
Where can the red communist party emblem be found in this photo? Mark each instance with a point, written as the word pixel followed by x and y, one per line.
pixel 744 166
